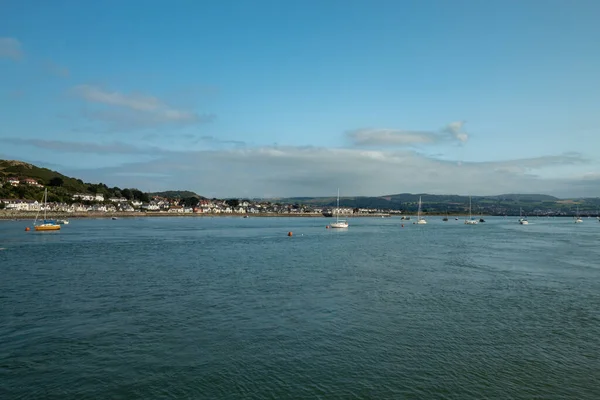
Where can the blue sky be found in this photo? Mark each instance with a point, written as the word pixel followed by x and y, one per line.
pixel 289 98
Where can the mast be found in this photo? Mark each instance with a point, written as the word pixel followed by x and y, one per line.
pixel 45 200
pixel 470 216
pixel 337 211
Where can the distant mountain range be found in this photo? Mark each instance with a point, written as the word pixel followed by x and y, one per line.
pixel 63 187
pixel 500 204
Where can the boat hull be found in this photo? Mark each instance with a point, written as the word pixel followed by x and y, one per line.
pixel 43 228
pixel 339 225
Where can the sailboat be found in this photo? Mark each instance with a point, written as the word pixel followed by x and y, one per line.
pixel 470 221
pixel 446 217
pixel 522 221
pixel 339 223
pixel 47 225
pixel 420 220
pixel 578 219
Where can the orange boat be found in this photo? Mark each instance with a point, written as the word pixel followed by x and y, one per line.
pixel 48 225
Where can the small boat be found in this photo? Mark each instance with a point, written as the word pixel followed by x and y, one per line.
pixel 522 221
pixel 47 225
pixel 420 220
pixel 114 218
pixel 405 218
pixel 481 220
pixel 63 221
pixel 446 217
pixel 578 219
pixel 339 223
pixel 470 221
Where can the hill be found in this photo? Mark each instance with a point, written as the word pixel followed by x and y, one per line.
pixel 177 194
pixel 504 204
pixel 61 188
pixel 19 169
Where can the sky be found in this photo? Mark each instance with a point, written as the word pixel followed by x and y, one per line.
pixel 299 98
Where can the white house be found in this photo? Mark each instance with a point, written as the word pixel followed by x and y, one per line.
pixel 13 181
pixel 136 203
pixel 84 197
pixel 22 205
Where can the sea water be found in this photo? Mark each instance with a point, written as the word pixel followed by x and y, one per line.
pixel 211 308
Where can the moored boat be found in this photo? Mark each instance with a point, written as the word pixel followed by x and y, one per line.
pixel 339 223
pixel 47 225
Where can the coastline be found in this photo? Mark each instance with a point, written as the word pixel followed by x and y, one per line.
pixel 7 215
pixel 30 215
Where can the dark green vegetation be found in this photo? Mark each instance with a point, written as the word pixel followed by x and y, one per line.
pixel 61 188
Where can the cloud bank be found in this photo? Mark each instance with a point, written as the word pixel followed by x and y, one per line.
pixel 315 171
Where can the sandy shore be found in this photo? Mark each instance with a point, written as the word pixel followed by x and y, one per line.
pixel 21 215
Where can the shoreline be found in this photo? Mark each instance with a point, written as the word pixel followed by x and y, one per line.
pixel 27 215
pixel 24 215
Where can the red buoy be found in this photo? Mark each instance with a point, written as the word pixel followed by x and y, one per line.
pixel 289 233
pixel 27 229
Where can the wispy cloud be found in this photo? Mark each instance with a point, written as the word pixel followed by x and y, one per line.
pixel 398 137
pixel 11 48
pixel 82 147
pixel 378 137
pixel 134 110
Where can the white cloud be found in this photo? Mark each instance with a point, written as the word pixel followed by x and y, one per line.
pixel 456 130
pixel 398 137
pixel 134 110
pixel 314 171
pixel 11 48
pixel 376 137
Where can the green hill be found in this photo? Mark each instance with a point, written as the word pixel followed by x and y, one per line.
pixel 177 194
pixel 61 188
pixel 21 170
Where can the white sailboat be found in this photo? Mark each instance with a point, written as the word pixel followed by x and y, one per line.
pixel 339 223
pixel 420 220
pixel 470 221
pixel 522 221
pixel 578 219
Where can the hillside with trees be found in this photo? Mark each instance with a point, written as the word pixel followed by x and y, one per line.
pixel 61 188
